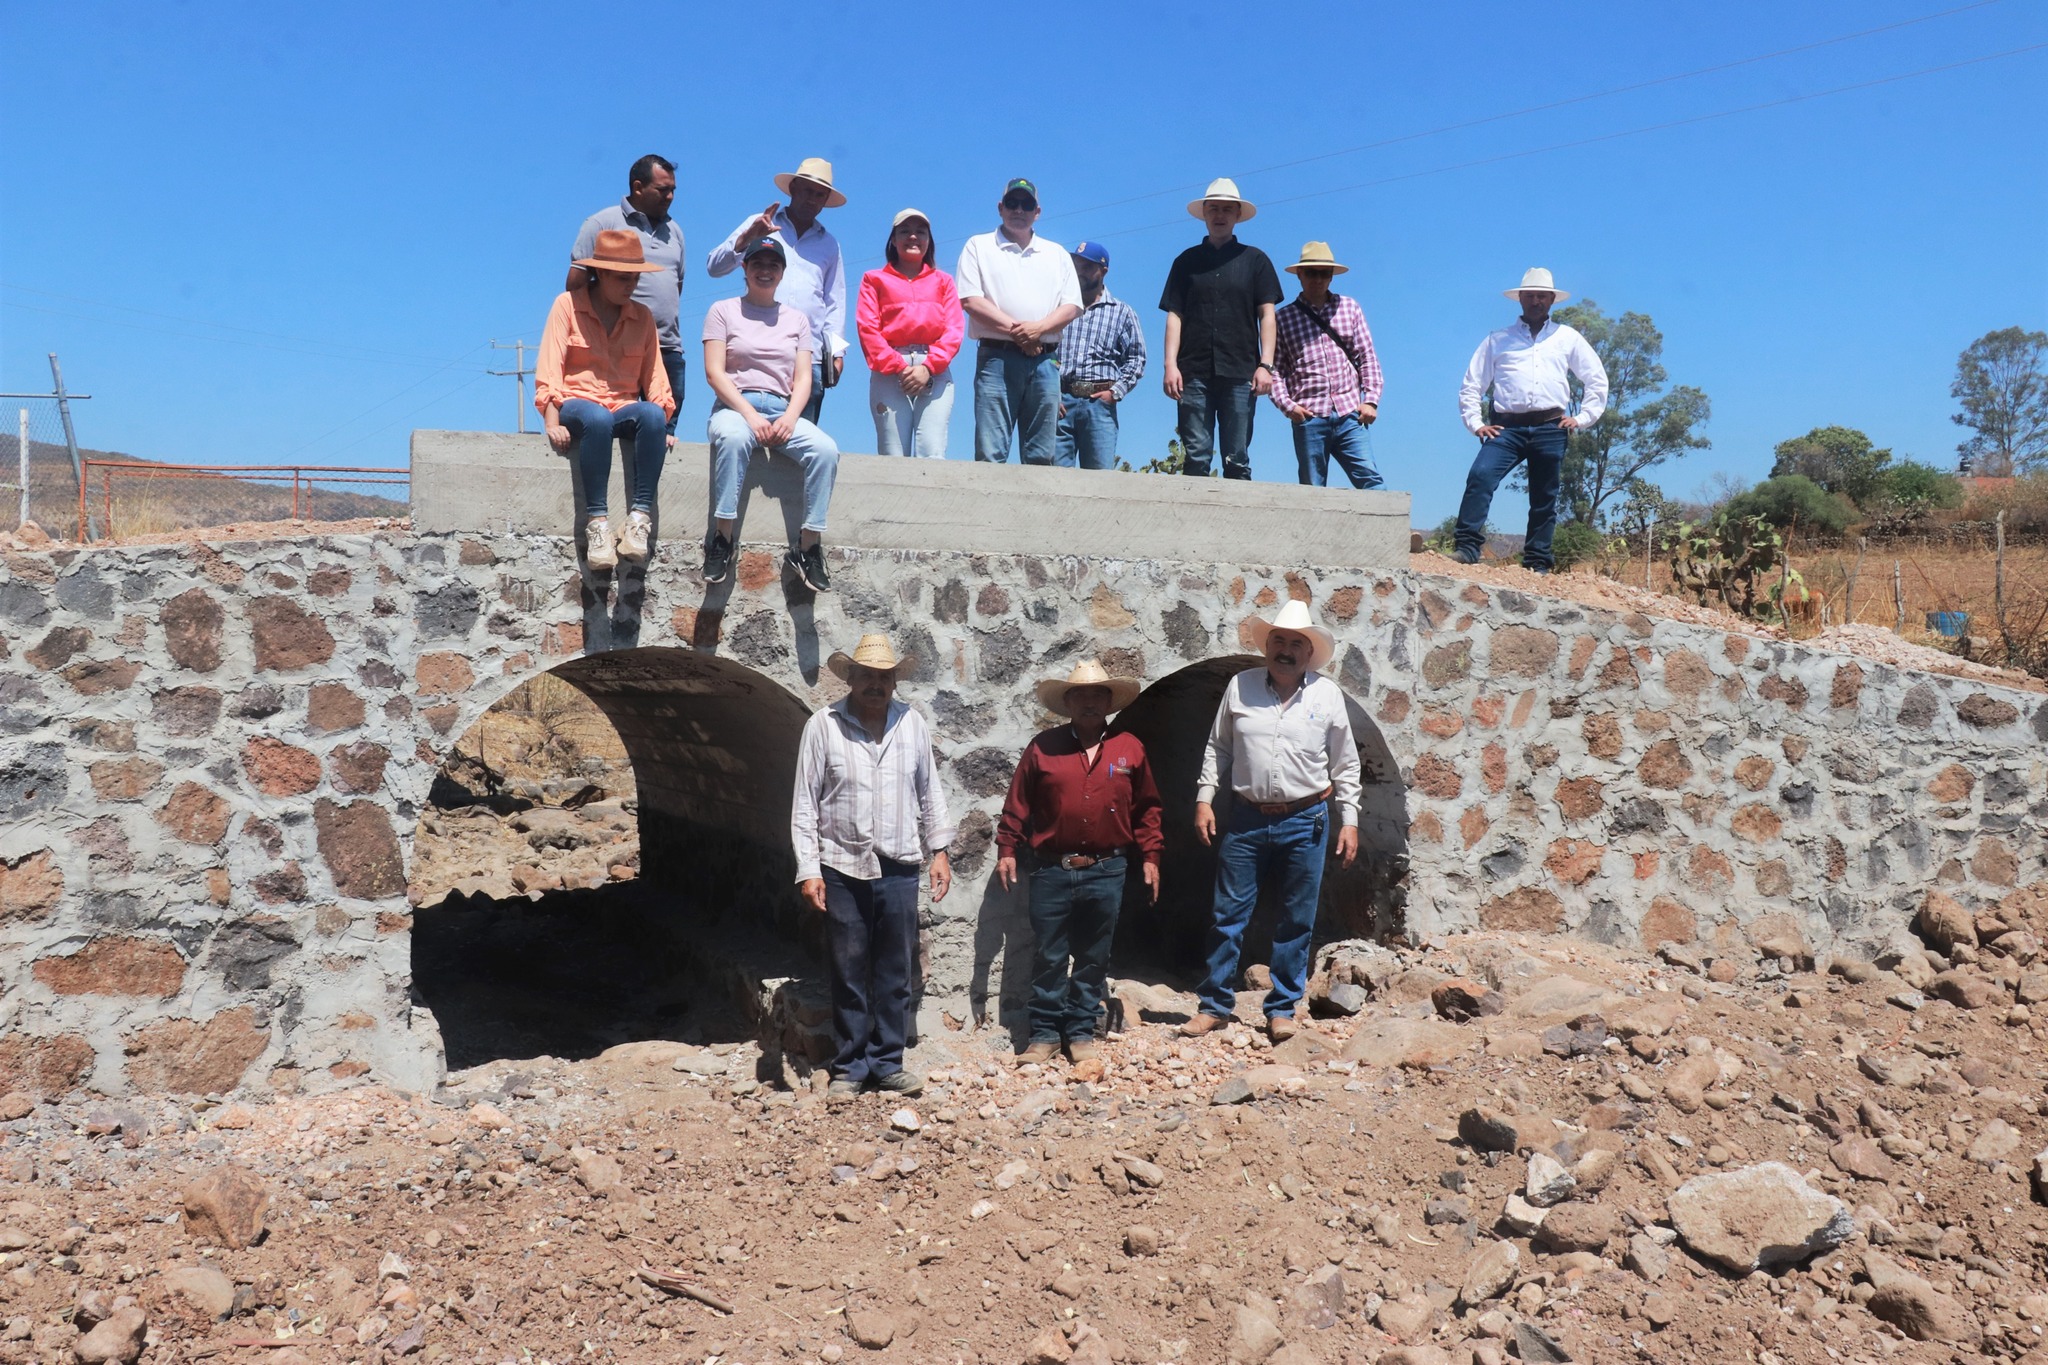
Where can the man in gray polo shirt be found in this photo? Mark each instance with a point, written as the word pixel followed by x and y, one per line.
pixel 650 189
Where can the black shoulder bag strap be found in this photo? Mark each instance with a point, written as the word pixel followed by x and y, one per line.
pixel 1327 329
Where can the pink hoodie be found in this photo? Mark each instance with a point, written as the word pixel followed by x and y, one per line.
pixel 894 311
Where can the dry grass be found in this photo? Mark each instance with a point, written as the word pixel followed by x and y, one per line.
pixel 542 729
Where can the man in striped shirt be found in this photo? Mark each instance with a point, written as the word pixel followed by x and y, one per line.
pixel 867 810
pixel 1326 375
pixel 1102 358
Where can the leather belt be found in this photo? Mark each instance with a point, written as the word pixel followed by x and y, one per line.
pixel 1086 388
pixel 1544 418
pixel 1077 862
pixel 1275 810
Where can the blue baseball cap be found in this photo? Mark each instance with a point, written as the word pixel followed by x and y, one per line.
pixel 1092 251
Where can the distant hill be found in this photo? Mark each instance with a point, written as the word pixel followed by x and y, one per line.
pixel 145 506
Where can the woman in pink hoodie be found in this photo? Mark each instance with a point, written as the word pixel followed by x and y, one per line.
pixel 910 327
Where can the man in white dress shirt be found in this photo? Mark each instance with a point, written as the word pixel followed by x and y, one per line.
pixel 814 280
pixel 867 811
pixel 1528 369
pixel 1282 746
pixel 1019 292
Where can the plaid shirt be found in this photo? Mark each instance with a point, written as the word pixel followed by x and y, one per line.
pixel 1105 342
pixel 1313 372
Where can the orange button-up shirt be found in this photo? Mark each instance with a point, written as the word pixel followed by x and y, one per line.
pixel 579 359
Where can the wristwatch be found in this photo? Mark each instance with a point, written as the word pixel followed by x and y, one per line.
pixel 1262 365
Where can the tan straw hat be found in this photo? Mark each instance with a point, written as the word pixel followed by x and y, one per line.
pixel 618 250
pixel 1316 256
pixel 1536 277
pixel 1052 693
pixel 1223 187
pixel 817 170
pixel 873 651
pixel 1294 616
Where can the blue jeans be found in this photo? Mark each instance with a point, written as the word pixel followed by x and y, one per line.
pixel 1073 915
pixel 1215 412
pixel 911 426
pixel 1020 393
pixel 1087 434
pixel 1543 447
pixel 594 426
pixel 1290 850
pixel 732 445
pixel 672 362
pixel 1320 439
pixel 872 929
pixel 815 404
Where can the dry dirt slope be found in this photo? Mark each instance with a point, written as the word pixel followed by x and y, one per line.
pixel 1515 1148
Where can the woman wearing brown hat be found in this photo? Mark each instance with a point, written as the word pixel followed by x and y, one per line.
pixel 599 375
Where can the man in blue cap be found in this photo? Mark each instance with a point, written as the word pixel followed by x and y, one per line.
pixel 1102 358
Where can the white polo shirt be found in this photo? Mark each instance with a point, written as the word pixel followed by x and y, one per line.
pixel 1027 282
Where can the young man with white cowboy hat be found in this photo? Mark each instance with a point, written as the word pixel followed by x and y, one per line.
pixel 815 281
pixel 1527 368
pixel 1326 375
pixel 1219 299
pixel 1085 802
pixel 1282 745
pixel 867 811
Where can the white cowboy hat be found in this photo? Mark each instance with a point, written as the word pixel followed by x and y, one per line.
pixel 1536 277
pixel 1294 616
pixel 873 651
pixel 1316 256
pixel 1052 693
pixel 815 169
pixel 1223 187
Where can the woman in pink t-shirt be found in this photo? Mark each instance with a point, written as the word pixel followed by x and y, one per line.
pixel 757 359
pixel 910 327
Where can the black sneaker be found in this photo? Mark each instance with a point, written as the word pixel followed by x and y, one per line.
pixel 718 558
pixel 809 565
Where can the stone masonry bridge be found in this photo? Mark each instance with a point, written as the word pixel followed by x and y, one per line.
pixel 213 757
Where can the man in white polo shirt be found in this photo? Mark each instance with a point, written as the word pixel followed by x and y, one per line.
pixel 1019 291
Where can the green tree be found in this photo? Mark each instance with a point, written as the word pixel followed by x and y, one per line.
pixel 1793 500
pixel 1644 424
pixel 2002 382
pixel 1174 461
pixel 1911 483
pixel 1840 459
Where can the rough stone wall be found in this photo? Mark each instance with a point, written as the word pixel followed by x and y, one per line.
pixel 212 760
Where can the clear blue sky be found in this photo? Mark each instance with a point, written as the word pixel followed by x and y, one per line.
pixel 259 233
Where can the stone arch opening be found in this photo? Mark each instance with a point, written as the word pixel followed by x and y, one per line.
pixel 1172 717
pixel 698 937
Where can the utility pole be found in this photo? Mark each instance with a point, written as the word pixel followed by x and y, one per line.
pixel 64 401
pixel 518 373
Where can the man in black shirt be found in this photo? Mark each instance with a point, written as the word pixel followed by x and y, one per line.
pixel 1220 299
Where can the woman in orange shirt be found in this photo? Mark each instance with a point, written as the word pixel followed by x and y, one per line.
pixel 599 375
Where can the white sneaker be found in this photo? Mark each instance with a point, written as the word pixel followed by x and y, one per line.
pixel 598 551
pixel 633 540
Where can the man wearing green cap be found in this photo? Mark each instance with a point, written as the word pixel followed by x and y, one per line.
pixel 1019 292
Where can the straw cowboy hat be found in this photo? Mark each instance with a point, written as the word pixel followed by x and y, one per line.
pixel 1294 617
pixel 1052 693
pixel 817 170
pixel 1536 277
pixel 618 249
pixel 1316 256
pixel 1223 187
pixel 873 651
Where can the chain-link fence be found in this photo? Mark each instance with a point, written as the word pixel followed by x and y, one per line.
pixel 51 483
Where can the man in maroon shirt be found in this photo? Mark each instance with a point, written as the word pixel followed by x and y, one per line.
pixel 1083 800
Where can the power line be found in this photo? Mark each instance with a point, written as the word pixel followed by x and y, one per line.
pixel 519 371
pixel 335 430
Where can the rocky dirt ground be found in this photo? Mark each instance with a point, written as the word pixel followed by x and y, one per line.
pixel 1492 1147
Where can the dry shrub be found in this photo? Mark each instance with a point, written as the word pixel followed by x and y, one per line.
pixel 2024 502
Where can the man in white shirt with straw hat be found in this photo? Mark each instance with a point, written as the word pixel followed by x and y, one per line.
pixel 1083 802
pixel 1220 298
pixel 867 811
pixel 814 278
pixel 1526 370
pixel 1282 746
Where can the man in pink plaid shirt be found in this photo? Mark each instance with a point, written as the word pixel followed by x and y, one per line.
pixel 1326 376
